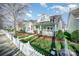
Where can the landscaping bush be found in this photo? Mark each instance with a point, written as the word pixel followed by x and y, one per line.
pixel 75 36
pixel 23 31
pixel 59 35
pixel 67 35
pixel 10 30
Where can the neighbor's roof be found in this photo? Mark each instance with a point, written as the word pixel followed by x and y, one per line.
pixel 75 12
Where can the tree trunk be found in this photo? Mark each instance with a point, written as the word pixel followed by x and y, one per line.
pixel 14 25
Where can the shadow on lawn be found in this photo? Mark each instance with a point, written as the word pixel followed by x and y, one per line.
pixel 41 50
pixel 32 39
pixel 77 52
pixel 35 38
pixel 53 46
pixel 38 48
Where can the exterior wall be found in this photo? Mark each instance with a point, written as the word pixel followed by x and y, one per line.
pixel 19 25
pixel 60 25
pixel 18 28
pixel 73 24
pixel 48 33
pixel 43 18
pixel 29 27
pixel 44 32
pixel 48 28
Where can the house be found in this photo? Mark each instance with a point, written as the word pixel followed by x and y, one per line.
pixel 19 25
pixel 73 22
pixel 45 26
pixel 29 26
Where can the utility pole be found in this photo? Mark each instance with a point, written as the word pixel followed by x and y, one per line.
pixel 53 47
pixel 64 51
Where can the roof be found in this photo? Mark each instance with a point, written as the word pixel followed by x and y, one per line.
pixel 75 12
pixel 55 18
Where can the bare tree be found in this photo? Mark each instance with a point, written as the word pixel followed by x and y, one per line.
pixel 14 11
pixel 1 22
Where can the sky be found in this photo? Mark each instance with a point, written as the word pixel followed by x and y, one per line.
pixel 62 9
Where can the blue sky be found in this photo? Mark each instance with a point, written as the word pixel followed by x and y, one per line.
pixel 49 8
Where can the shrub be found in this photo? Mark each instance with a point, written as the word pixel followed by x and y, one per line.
pixel 59 35
pixel 75 36
pixel 23 31
pixel 67 35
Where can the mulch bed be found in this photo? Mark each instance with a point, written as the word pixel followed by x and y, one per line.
pixel 40 36
pixel 24 34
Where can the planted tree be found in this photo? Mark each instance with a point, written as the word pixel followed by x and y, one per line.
pixel 13 11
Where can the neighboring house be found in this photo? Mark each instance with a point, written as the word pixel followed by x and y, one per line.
pixel 73 22
pixel 29 26
pixel 19 25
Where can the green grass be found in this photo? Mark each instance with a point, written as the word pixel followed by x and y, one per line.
pixel 41 45
pixel 74 47
pixel 26 39
pixel 58 46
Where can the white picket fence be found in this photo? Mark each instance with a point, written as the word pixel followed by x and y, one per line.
pixel 26 48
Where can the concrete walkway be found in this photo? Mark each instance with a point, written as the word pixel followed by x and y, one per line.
pixel 7 48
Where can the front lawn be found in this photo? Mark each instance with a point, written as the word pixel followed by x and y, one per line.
pixel 40 44
pixel 74 47
pixel 43 45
